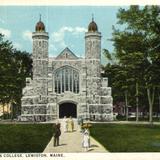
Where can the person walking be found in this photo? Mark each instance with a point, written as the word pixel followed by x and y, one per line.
pixel 86 140
pixel 70 124
pixel 57 134
pixel 65 124
pixel 80 123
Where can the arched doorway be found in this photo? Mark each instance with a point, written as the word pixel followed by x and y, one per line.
pixel 67 109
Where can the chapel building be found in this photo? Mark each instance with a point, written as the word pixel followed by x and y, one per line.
pixel 66 85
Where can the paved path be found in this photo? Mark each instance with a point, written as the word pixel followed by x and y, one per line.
pixel 72 142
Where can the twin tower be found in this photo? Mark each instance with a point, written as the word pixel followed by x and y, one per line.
pixel 66 85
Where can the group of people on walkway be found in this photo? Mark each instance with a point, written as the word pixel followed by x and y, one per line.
pixel 68 126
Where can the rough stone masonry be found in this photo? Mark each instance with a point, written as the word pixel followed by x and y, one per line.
pixel 66 85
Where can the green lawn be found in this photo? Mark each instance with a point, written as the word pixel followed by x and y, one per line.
pixel 24 137
pixel 127 137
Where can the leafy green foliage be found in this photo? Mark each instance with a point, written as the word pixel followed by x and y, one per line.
pixel 15 66
pixel 137 50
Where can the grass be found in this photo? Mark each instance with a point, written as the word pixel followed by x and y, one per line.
pixel 127 137
pixel 24 137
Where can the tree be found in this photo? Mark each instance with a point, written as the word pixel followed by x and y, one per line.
pixel 15 66
pixel 137 48
pixel 118 79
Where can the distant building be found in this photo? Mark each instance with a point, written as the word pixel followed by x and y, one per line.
pixel 5 109
pixel 66 85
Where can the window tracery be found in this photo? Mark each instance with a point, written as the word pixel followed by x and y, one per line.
pixel 66 79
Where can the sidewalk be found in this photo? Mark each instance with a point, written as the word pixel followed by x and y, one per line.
pixel 72 142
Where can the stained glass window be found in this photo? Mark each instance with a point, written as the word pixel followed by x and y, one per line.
pixel 66 79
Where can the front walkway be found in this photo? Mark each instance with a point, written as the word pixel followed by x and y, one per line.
pixel 72 142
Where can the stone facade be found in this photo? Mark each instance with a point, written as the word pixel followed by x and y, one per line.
pixel 66 85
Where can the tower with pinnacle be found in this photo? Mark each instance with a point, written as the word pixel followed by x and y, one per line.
pixel 40 58
pixel 98 94
pixel 34 100
pixel 93 58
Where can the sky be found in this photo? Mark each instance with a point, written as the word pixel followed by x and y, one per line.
pixel 66 26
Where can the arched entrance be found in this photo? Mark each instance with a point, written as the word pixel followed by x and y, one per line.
pixel 67 109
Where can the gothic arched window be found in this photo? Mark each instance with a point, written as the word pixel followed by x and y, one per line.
pixel 66 79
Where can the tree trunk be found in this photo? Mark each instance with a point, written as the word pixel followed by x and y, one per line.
pixel 137 103
pixel 11 111
pixel 7 111
pixel 159 104
pixel 3 110
pixel 151 101
pixel 126 104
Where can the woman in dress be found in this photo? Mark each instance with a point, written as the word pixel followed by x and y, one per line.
pixel 70 124
pixel 65 124
pixel 86 140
